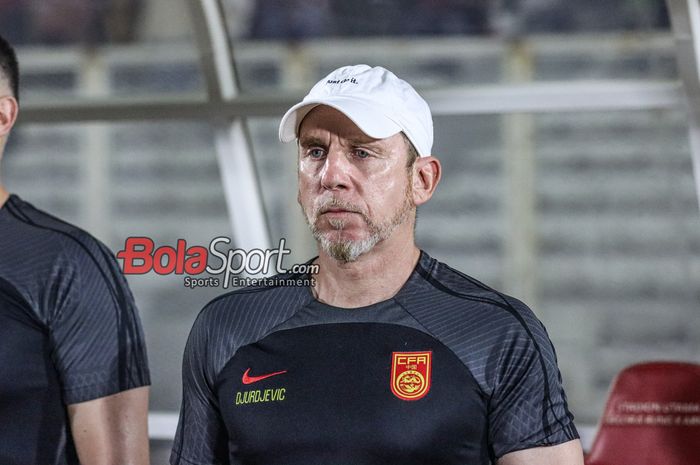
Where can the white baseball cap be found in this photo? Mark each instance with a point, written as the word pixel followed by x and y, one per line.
pixel 377 101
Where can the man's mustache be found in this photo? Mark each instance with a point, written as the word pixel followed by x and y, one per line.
pixel 335 203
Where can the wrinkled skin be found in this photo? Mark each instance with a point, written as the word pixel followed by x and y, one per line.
pixel 354 190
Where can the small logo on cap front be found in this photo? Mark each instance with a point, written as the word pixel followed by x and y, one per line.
pixel 341 81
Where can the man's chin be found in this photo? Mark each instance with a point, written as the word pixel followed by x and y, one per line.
pixel 341 252
pixel 346 251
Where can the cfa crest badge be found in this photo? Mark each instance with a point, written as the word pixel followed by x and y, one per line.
pixel 410 374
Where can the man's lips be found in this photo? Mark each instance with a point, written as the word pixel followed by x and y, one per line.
pixel 336 211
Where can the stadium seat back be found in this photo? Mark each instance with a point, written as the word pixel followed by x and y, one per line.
pixel 652 417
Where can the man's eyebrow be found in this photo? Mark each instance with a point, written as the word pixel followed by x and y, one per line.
pixel 307 141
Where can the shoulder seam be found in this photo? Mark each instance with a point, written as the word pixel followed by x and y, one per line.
pixel 80 243
pixel 508 307
pixel 18 214
pixel 16 211
pixel 115 291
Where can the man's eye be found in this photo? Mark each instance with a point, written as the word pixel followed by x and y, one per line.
pixel 362 153
pixel 315 153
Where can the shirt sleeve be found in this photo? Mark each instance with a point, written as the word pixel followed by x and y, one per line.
pixel 97 343
pixel 528 407
pixel 201 437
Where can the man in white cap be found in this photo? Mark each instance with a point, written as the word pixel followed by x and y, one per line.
pixel 391 357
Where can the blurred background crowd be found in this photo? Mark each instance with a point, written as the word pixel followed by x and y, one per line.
pixel 115 21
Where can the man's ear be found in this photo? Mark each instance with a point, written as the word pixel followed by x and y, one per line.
pixel 9 108
pixel 426 176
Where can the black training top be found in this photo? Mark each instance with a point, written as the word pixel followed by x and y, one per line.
pixel 448 371
pixel 69 332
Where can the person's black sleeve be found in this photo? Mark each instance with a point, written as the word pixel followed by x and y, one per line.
pixel 201 437
pixel 528 406
pixel 97 343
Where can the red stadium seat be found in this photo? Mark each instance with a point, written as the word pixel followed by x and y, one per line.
pixel 652 417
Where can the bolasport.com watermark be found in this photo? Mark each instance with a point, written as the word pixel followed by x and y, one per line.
pixel 216 265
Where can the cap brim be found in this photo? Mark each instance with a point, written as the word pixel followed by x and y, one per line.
pixel 365 116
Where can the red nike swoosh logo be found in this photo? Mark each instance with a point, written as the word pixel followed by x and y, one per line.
pixel 254 379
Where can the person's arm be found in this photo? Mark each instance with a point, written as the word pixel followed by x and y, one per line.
pixel 528 408
pixel 99 352
pixel 568 453
pixel 112 430
pixel 201 437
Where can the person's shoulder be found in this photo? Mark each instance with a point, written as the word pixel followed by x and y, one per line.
pixel 254 309
pixel 40 229
pixel 52 247
pixel 239 318
pixel 481 325
pixel 464 295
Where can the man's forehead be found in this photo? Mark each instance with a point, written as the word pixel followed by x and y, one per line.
pixel 323 121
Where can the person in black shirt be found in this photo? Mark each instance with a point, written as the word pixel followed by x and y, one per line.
pixel 389 357
pixel 73 369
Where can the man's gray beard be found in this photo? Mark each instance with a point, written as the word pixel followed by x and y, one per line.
pixel 347 250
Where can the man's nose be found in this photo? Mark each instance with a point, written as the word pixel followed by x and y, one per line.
pixel 336 170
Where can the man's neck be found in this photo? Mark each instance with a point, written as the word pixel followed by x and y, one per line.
pixel 4 195
pixel 375 276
